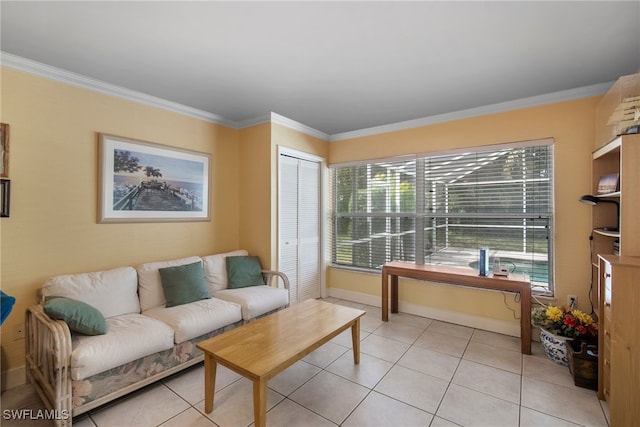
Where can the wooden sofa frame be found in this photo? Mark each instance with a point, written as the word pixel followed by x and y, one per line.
pixel 48 350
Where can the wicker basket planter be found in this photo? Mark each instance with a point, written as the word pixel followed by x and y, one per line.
pixel 583 363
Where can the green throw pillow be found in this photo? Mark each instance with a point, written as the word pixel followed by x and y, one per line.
pixel 184 284
pixel 243 271
pixel 79 316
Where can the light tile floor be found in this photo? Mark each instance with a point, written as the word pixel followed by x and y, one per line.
pixel 413 371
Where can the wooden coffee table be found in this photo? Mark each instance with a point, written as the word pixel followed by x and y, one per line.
pixel 265 347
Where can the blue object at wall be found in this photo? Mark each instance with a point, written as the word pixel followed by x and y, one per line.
pixel 6 305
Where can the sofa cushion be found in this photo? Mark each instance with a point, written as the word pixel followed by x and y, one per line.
pixel 150 284
pixel 79 316
pixel 184 284
pixel 129 337
pixel 255 300
pixel 191 320
pixel 215 269
pixel 244 271
pixel 112 292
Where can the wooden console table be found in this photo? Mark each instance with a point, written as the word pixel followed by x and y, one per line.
pixel 459 276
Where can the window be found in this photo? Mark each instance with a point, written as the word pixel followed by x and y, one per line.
pixel 441 208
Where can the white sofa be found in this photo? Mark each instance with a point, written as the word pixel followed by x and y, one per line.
pixel 145 340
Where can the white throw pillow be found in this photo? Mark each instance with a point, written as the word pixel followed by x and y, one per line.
pixel 112 292
pixel 215 269
pixel 150 284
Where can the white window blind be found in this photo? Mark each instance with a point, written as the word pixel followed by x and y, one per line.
pixel 440 209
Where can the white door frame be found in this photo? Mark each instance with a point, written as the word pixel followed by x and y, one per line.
pixel 323 205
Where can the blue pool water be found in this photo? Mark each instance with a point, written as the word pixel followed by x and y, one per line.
pixel 538 271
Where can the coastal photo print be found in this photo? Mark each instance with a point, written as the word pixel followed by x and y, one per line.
pixel 146 182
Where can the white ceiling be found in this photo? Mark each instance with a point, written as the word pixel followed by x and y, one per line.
pixel 334 66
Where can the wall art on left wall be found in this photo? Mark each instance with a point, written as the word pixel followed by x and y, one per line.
pixel 146 182
pixel 4 150
pixel 5 197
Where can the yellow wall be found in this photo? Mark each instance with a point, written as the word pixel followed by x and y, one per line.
pixel 296 140
pixel 571 124
pixel 255 192
pixel 53 169
pixel 259 184
pixel 282 136
pixel 52 229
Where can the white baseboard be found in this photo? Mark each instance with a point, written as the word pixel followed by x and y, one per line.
pixel 355 297
pixel 17 377
pixel 13 378
pixel 465 319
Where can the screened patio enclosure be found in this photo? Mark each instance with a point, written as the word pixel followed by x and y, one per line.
pixel 442 209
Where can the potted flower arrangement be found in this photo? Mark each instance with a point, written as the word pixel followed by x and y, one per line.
pixel 558 324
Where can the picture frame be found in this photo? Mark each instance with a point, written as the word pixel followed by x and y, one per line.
pixel 141 181
pixel 5 197
pixel 609 183
pixel 4 150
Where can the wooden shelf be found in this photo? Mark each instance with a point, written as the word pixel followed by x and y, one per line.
pixel 617 275
pixel 607 233
pixel 612 147
pixel 621 155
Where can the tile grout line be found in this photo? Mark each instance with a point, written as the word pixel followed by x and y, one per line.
pixel 474 337
pixel 372 389
pixel 451 381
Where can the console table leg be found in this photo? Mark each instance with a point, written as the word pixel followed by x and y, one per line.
pixel 385 296
pixel 525 320
pixel 394 293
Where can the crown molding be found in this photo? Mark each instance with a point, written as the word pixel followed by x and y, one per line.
pixel 33 67
pixel 243 124
pixel 74 79
pixel 283 121
pixel 292 124
pixel 43 70
pixel 534 101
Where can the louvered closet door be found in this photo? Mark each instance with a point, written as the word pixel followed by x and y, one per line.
pixel 288 228
pixel 299 230
pixel 308 230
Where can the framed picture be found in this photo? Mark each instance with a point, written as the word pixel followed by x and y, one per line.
pixel 5 197
pixel 608 183
pixel 4 150
pixel 145 182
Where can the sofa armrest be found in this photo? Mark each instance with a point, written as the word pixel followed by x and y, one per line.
pixel 270 274
pixel 48 358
